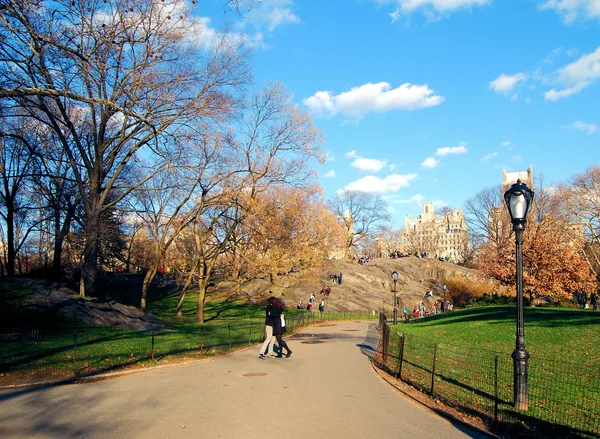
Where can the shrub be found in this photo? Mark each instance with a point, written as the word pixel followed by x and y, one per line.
pixel 493 299
pixel 463 291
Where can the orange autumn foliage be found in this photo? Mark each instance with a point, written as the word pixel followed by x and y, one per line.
pixel 552 264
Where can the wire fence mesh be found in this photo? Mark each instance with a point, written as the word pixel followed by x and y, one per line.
pixel 564 398
pixel 31 356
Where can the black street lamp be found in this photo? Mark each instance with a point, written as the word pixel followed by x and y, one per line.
pixel 518 200
pixel 395 279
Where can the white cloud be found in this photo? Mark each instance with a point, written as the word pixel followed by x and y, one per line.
pixel 271 14
pixel 588 128
pixel 431 8
pixel 553 95
pixel 367 98
pixel 202 34
pixel 517 158
pixel 372 184
pixel 488 157
pixel 351 154
pixel 570 10
pixel 430 162
pixel 506 143
pixel 446 150
pixel 329 174
pixel 417 199
pixel 369 165
pixel 329 157
pixel 576 76
pixel 505 84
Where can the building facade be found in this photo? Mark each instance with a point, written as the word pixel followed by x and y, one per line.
pixel 437 236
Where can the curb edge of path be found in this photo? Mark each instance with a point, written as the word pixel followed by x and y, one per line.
pixel 437 410
pixel 109 375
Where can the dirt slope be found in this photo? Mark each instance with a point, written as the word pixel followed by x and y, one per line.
pixel 365 288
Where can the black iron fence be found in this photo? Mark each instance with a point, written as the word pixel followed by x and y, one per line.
pixel 564 398
pixel 32 356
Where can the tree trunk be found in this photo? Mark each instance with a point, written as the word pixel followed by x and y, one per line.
pixel 10 239
pixel 89 268
pixel 59 238
pixel 202 285
pixel 188 282
pixel 150 275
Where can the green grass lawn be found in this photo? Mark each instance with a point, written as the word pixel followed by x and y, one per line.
pixel 472 349
pixel 568 334
pixel 67 350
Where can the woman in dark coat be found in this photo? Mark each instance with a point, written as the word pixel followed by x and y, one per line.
pixel 278 328
pixel 268 343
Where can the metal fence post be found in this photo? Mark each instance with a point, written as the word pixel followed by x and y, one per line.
pixel 496 389
pixel 75 346
pixel 152 345
pixel 433 368
pixel 201 338
pixel 386 342
pixel 400 356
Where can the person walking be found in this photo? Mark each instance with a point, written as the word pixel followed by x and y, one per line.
pixel 269 320
pixel 322 307
pixel 279 327
pixel 340 278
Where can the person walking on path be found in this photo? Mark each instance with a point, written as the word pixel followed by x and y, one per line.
pixel 279 327
pixel 269 320
pixel 322 307
pixel 340 278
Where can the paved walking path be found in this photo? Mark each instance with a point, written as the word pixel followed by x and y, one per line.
pixel 326 389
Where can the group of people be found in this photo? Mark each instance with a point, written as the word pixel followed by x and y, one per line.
pixel 274 330
pixel 361 260
pixel 336 278
pixel 423 311
pixel 312 300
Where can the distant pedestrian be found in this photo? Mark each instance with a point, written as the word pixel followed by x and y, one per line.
pixel 405 310
pixel 322 306
pixel 340 278
pixel 279 327
pixel 268 343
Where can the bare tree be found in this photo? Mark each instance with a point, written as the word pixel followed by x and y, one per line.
pixel 487 217
pixel 361 215
pixel 15 170
pixel 273 145
pixel 580 203
pixel 114 80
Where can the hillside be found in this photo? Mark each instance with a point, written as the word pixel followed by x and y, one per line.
pixel 365 287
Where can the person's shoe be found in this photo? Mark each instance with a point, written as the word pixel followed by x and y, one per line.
pixel 279 355
pixel 262 356
pixel 288 354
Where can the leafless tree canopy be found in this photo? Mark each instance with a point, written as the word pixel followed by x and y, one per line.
pixel 360 213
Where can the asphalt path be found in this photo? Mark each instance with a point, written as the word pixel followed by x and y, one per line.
pixel 326 389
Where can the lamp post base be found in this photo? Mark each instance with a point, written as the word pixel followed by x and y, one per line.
pixel 521 395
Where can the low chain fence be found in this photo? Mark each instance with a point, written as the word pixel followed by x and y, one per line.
pixel 32 356
pixel 564 398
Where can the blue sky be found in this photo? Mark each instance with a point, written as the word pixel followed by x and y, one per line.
pixel 429 100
